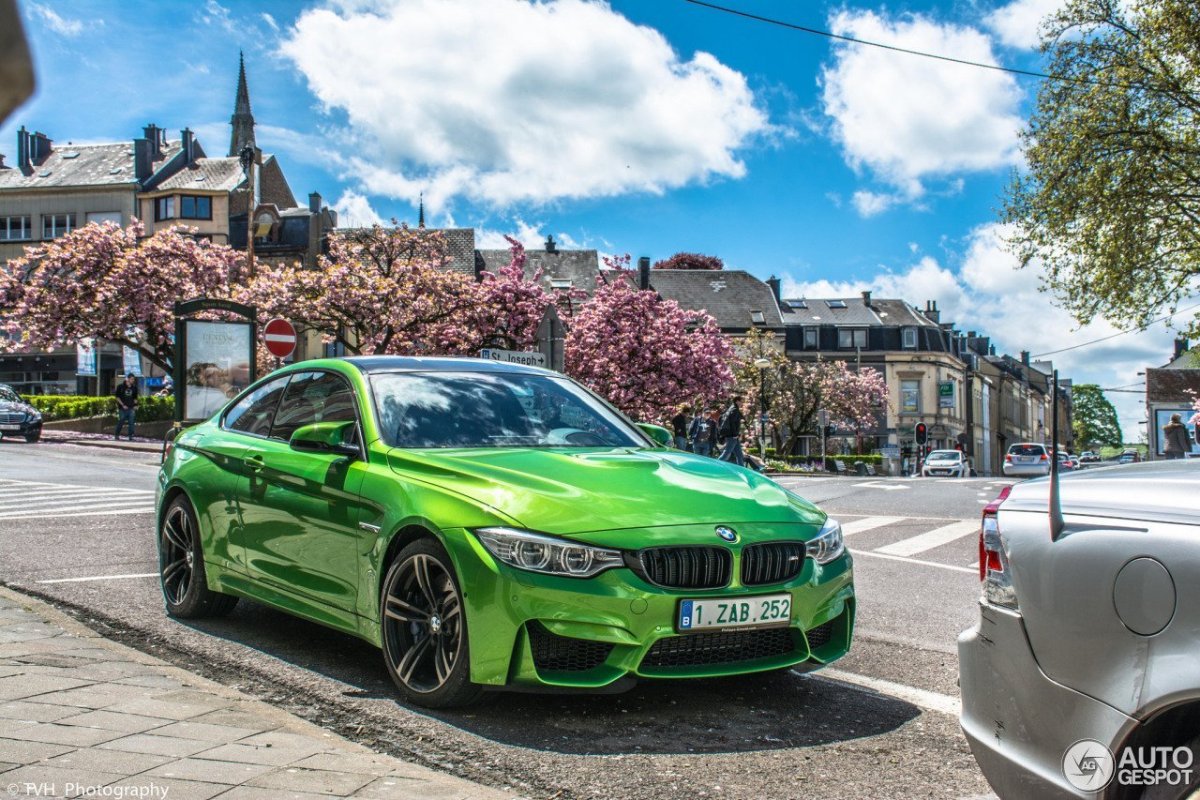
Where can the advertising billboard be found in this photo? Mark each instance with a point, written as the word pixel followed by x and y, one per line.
pixel 217 362
pixel 1162 416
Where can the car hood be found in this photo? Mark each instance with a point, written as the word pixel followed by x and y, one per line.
pixel 571 491
pixel 10 406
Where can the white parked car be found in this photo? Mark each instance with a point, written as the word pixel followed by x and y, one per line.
pixel 950 463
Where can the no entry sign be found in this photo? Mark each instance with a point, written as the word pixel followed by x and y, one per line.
pixel 280 338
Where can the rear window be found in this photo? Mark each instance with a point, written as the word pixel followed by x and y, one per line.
pixel 1027 450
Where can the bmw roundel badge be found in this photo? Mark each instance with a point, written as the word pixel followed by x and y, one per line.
pixel 728 534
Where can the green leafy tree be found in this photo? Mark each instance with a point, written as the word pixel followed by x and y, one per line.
pixel 1110 204
pixel 1095 420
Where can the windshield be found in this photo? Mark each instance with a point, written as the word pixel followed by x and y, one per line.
pixel 8 395
pixel 943 455
pixel 485 409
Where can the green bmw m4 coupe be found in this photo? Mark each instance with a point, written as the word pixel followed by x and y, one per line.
pixel 489 525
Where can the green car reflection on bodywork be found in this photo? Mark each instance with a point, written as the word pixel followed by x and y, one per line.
pixel 492 525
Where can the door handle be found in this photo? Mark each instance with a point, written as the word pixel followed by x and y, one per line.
pixel 254 463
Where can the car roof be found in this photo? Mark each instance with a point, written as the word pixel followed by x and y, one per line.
pixel 370 364
pixel 1163 491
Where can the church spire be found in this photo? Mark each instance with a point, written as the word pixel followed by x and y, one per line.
pixel 421 212
pixel 242 120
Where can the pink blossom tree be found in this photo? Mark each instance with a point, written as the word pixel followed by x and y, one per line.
pixel 504 310
pixel 379 290
pixel 690 261
pixel 796 391
pixel 106 282
pixel 644 354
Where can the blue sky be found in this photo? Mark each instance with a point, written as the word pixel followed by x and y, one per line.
pixel 638 126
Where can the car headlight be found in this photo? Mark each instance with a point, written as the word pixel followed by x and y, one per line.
pixel 537 552
pixel 828 544
pixel 33 416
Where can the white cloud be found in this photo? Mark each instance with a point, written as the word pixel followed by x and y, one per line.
pixel 512 100
pixel 271 23
pixel 354 211
pixel 905 119
pixel 218 16
pixel 56 22
pixel 1016 24
pixel 988 294
pixel 868 204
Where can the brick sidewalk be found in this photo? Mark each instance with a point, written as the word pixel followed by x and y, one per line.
pixel 78 712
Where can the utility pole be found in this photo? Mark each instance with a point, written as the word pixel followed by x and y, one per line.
pixel 248 158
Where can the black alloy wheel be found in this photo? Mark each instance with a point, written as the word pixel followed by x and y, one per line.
pixel 425 629
pixel 181 566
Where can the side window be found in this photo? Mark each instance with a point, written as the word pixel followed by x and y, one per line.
pixel 313 397
pixel 254 412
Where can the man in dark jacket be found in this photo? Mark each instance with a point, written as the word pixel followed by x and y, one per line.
pixel 730 430
pixel 127 398
pixel 679 425
pixel 1177 441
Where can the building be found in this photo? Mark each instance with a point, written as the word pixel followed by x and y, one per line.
pixel 52 189
pixel 1172 389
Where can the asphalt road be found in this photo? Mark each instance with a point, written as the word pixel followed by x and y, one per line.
pixel 76 527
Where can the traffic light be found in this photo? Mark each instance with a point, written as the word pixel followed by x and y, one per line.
pixel 922 433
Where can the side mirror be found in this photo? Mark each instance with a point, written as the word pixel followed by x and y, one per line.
pixel 324 437
pixel 658 433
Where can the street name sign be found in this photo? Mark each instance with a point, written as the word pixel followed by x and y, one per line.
pixel 279 336
pixel 528 358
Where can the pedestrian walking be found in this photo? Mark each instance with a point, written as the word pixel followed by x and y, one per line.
pixel 702 432
pixel 679 425
pixel 729 429
pixel 127 399
pixel 1177 440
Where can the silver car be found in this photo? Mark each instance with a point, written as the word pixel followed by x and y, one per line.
pixel 1027 459
pixel 1082 677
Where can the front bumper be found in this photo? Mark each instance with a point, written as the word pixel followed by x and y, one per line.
pixel 949 472
pixel 1017 720
pixel 527 629
pixel 20 428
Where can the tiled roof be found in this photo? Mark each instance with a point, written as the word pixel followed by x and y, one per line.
pixel 580 267
pixel 1172 385
pixel 854 311
pixel 81 165
pixel 206 174
pixel 461 242
pixel 729 295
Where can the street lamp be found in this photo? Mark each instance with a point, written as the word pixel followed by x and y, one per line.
pixel 247 157
pixel 763 365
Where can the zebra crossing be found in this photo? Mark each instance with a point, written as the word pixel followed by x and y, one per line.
pixel 944 543
pixel 39 500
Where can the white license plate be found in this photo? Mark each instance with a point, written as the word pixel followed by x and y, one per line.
pixel 10 427
pixel 735 612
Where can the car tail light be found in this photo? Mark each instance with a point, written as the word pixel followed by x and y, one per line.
pixel 1045 457
pixel 1008 458
pixel 993 561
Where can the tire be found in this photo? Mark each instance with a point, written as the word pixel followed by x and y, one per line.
pixel 1191 790
pixel 33 438
pixel 424 628
pixel 181 566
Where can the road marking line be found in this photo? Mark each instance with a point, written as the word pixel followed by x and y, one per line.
pixel 930 539
pixel 923 698
pixel 951 567
pixel 868 523
pixel 43 515
pixel 101 578
pixel 71 497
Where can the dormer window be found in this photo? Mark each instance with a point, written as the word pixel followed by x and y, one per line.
pixel 810 339
pixel 908 338
pixel 851 338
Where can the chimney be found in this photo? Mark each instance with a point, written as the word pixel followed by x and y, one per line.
pixel 314 202
pixel 931 311
pixel 644 273
pixel 39 148
pixel 142 149
pixel 1025 358
pixel 991 349
pixel 551 246
pixel 155 135
pixel 774 283
pixel 2 162
pixel 1181 345
pixel 866 299
pixel 23 150
pixel 187 141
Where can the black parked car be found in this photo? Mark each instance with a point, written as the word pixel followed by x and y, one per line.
pixel 18 418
